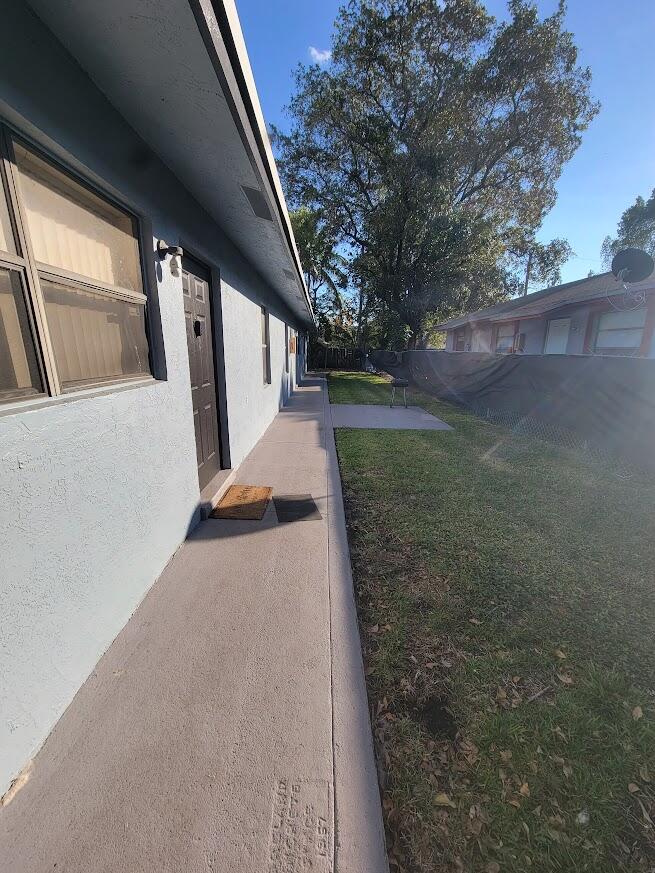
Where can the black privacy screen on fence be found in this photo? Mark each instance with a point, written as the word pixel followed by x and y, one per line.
pixel 325 357
pixel 606 403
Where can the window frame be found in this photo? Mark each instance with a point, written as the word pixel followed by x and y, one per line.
pixel 287 350
pixel 515 325
pixel 618 351
pixel 31 272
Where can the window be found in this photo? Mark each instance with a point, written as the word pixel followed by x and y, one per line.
pixel 72 309
pixel 19 372
pixel 460 339
pixel 266 347
pixel 505 334
pixel 620 332
pixel 286 348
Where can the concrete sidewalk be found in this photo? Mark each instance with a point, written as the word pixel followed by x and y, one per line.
pixel 226 728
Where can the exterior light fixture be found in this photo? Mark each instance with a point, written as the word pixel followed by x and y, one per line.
pixel 176 253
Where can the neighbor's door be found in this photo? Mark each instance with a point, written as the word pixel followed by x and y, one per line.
pixel 200 339
pixel 557 336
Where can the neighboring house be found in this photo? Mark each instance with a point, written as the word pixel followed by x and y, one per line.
pixel 593 316
pixel 131 379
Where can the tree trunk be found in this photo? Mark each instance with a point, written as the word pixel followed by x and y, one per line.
pixel 358 337
pixel 527 273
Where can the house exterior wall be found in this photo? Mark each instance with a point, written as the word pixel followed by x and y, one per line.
pixel 98 489
pixel 533 329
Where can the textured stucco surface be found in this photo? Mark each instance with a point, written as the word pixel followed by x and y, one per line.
pixel 97 492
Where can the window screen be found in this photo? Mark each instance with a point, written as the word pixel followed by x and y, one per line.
pixel 96 337
pixel 620 332
pixel 73 229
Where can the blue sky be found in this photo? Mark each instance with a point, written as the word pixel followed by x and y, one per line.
pixel 616 160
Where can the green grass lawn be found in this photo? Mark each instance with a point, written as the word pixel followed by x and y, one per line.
pixel 506 598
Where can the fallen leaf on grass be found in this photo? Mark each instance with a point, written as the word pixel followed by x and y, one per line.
pixel 506 756
pixel 567 770
pixel 565 678
pixel 633 788
pixel 493 867
pixel 474 621
pixel 442 799
pixel 525 790
pixel 560 654
pixel 637 713
pixel 644 774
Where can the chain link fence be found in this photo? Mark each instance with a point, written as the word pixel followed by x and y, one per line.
pixel 603 409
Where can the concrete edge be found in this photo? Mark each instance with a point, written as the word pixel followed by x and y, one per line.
pixel 359 839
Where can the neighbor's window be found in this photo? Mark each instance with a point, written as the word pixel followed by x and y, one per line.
pixel 72 308
pixel 266 347
pixel 620 332
pixel 505 338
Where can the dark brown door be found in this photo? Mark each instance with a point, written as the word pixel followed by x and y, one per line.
pixel 200 339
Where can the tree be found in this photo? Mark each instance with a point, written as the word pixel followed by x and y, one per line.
pixel 323 266
pixel 635 229
pixel 434 133
pixel 535 265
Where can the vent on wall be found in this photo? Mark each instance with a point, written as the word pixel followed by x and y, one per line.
pixel 258 203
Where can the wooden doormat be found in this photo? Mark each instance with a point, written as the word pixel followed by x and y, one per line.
pixel 243 501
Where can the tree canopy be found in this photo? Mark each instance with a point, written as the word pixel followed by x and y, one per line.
pixel 432 142
pixel 636 228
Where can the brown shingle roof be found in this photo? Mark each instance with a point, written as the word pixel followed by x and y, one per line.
pixel 547 299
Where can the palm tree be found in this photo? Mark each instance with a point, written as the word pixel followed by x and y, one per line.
pixel 324 267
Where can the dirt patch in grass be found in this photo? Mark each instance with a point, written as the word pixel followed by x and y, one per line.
pixel 433 714
pixel 506 601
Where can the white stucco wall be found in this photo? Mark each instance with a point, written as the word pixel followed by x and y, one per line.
pixel 97 491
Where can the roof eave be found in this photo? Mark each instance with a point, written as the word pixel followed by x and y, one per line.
pixel 247 110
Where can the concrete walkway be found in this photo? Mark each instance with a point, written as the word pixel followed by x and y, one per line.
pixel 370 415
pixel 226 729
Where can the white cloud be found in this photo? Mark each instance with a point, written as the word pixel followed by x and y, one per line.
pixel 319 56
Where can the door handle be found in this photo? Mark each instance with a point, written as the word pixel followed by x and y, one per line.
pixel 198 327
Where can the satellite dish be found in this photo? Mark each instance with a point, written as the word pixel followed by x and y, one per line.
pixel 632 265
